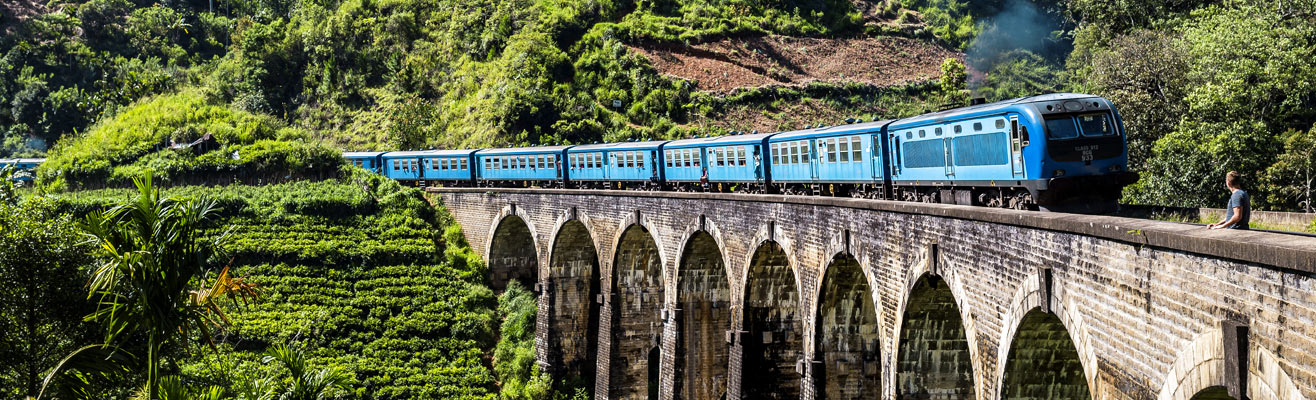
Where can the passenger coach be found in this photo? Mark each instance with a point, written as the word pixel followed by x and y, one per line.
pixel 730 161
pixel 836 160
pixel 521 167
pixel 616 165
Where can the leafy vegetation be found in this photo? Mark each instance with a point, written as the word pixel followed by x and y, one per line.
pixel 182 138
pixel 1208 89
pixel 43 270
pixel 354 272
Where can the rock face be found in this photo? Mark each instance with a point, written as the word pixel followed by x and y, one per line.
pixel 748 296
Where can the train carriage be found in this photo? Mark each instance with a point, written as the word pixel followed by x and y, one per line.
pixel 521 167
pixel 370 160
pixel 445 167
pixel 29 165
pixel 620 165
pixel 837 160
pixel 736 160
pixel 1018 153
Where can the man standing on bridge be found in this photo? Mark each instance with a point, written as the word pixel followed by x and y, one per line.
pixel 1239 210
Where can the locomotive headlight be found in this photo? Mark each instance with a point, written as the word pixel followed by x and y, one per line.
pixel 1058 173
pixel 1115 168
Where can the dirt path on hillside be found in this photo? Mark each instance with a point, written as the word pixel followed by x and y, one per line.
pixel 790 61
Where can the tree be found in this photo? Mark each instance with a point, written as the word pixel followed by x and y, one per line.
pixel 1291 182
pixel 154 255
pixel 43 265
pixel 953 81
pixel 1145 74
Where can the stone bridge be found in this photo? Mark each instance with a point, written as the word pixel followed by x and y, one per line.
pixel 711 296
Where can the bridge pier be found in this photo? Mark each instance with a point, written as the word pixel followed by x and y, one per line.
pixel 700 296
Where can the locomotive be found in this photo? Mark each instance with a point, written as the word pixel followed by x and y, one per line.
pixel 1058 152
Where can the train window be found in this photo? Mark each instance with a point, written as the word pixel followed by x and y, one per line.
pixel 694 153
pixel 977 126
pixel 856 149
pixel 740 156
pixel 1061 128
pixel 414 166
pixel 959 128
pixel 805 155
pixel 502 163
pixel 395 165
pixel 909 135
pixel 1000 124
pixel 462 164
pixel 795 153
pixel 937 131
pixel 1095 125
pixel 632 159
pixel 845 150
pixel 831 150
pixel 922 133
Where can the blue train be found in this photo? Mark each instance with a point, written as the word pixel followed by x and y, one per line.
pixel 1059 151
pixel 27 165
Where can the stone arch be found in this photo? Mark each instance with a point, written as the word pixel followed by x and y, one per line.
pixel 512 252
pixel 933 356
pixel 635 306
pixel 1043 361
pixel 1028 298
pixel 773 340
pixel 846 341
pixel 927 264
pixel 703 318
pixel 1199 372
pixel 1199 367
pixel 573 288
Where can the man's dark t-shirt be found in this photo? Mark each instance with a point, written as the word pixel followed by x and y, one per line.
pixel 1241 200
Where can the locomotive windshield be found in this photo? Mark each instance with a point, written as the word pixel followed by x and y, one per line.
pixel 1061 128
pixel 1087 125
pixel 1095 125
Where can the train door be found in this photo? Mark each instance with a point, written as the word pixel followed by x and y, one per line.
pixel 875 156
pixel 1016 148
pixel 653 165
pixel 814 159
pixel 949 164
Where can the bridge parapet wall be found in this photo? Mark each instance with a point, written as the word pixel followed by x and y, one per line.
pixel 1143 303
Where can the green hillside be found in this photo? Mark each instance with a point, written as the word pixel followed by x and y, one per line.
pixel 358 272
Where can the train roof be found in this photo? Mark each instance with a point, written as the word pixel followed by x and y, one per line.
pixel 524 150
pixel 825 131
pixel 720 140
pixel 650 144
pixel 22 160
pixel 361 154
pixel 987 108
pixel 430 153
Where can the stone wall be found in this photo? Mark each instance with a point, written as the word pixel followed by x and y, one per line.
pixel 1113 307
